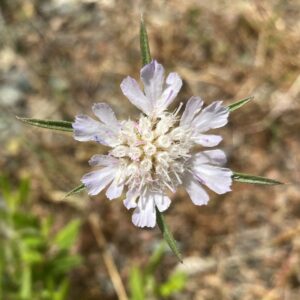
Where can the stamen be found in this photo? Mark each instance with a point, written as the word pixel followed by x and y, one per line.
pixel 119 151
pixel 164 141
pixel 153 148
pixel 177 176
pixel 170 188
pixel 178 109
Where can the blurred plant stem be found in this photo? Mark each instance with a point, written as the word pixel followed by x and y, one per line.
pixel 108 259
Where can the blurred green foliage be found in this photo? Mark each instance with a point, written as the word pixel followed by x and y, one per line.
pixel 144 285
pixel 34 261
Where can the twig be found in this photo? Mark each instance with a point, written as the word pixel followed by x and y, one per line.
pixel 107 257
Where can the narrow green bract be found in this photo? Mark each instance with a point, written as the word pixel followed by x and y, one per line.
pixel 144 44
pixel 49 124
pixel 167 234
pixel 246 178
pixel 76 190
pixel 239 103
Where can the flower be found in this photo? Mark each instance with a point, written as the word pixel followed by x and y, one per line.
pixel 156 153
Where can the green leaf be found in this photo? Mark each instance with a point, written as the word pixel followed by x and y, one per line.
pixel 2 262
pixel 23 190
pixel 62 290
pixel 239 103
pixel 175 283
pixel 167 234
pixel 26 283
pixel 49 124
pixel 31 256
pixel 246 178
pixel 136 284
pixel 65 264
pixel 76 190
pixel 66 237
pixel 5 188
pixel 144 44
pixel 33 241
pixel 155 259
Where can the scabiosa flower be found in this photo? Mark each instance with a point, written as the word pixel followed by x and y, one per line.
pixel 155 154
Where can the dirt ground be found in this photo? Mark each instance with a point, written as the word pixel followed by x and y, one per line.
pixel 58 57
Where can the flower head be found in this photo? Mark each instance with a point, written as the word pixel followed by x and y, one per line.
pixel 155 154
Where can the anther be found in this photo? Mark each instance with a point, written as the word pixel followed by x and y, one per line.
pixel 149 149
pixel 135 153
pixel 120 151
pixel 164 141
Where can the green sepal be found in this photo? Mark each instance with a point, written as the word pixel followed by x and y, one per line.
pixel 76 190
pixel 239 103
pixel 246 178
pixel 144 44
pixel 48 124
pixel 167 234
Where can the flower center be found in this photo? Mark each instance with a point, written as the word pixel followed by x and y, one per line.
pixel 154 151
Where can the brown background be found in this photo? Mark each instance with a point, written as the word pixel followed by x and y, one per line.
pixel 59 57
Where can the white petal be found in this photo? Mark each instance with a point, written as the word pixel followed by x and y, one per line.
pixel 207 140
pixel 196 192
pixel 215 157
pixel 114 191
pixel 161 201
pixel 174 84
pixel 216 178
pixel 213 116
pixel 132 91
pixel 130 201
pixel 192 108
pixel 100 160
pixel 152 76
pixel 106 136
pixel 105 114
pixel 144 215
pixel 96 181
pixel 85 128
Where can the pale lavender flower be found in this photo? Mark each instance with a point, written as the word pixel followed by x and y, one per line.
pixel 156 153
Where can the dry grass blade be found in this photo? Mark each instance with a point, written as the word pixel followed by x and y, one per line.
pixel 107 257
